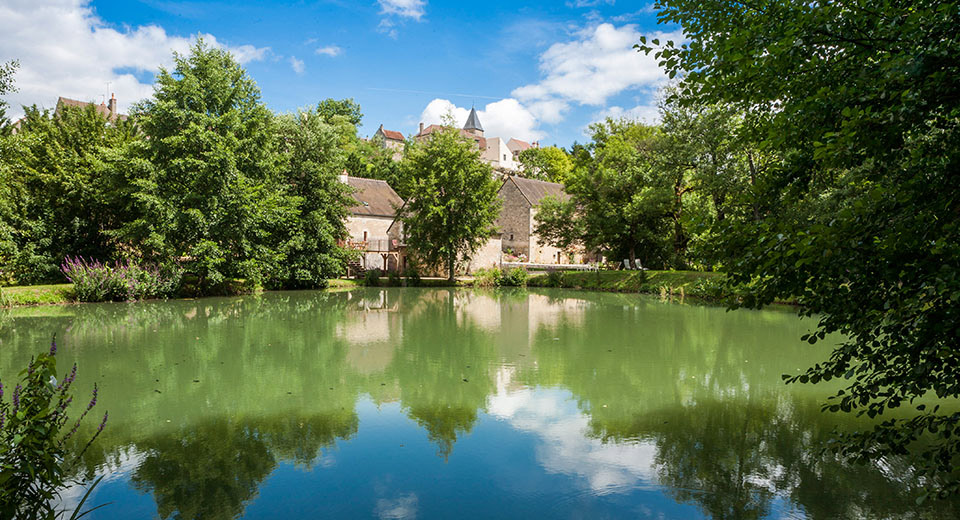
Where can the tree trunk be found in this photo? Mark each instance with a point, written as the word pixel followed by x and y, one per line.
pixel 633 256
pixel 753 182
pixel 451 262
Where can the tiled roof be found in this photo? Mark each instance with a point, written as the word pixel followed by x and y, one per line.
pixel 376 198
pixel 517 145
pixel 534 191
pixel 101 109
pixel 473 121
pixel 393 134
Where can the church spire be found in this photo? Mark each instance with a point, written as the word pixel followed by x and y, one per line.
pixel 473 123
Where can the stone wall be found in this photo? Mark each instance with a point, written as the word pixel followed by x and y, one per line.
pixel 488 256
pixel 514 220
pixel 376 229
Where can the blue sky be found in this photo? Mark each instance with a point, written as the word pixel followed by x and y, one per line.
pixel 536 70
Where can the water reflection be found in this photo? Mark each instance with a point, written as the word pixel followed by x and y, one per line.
pixel 542 403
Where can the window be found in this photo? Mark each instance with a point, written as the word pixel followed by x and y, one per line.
pixel 511 236
pixel 364 235
pixel 504 157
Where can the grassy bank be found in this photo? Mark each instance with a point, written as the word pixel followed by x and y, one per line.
pixel 36 295
pixel 668 283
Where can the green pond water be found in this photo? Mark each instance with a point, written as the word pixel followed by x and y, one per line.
pixel 436 403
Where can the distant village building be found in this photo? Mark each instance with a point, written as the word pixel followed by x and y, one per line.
pixel 392 140
pixel 502 155
pixel 368 222
pixel 107 110
pixel 521 200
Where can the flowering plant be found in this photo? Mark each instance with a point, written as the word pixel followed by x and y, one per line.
pixel 95 281
pixel 34 458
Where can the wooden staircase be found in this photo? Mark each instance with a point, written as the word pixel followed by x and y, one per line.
pixel 355 268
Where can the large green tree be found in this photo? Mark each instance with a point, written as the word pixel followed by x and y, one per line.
pixel 861 215
pixel 548 163
pixel 622 202
pixel 211 196
pixel 453 200
pixel 311 160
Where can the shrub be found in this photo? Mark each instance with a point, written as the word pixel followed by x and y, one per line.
pixel 487 277
pixel 34 459
pixel 517 277
pixel 412 276
pixel 554 279
pixel 94 281
pixel 393 279
pixel 371 278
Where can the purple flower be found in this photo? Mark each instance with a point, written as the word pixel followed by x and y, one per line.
pixel 53 347
pixel 16 399
pixel 103 422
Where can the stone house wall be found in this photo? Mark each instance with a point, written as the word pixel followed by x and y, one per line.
pixel 514 222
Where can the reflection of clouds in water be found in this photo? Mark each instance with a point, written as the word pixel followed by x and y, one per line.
pixel 404 506
pixel 121 468
pixel 565 447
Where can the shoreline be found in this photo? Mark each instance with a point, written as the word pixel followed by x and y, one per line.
pixel 703 286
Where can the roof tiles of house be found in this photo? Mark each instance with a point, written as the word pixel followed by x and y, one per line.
pixel 518 145
pixel 534 191
pixel 101 109
pixel 376 198
pixel 392 134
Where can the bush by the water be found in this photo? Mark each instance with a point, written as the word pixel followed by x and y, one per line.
pixel 35 457
pixel 516 277
pixel 487 277
pixel 411 276
pixel 393 279
pixel 95 281
pixel 371 278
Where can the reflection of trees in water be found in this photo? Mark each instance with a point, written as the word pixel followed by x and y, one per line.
pixel 213 469
pixel 701 383
pixel 444 369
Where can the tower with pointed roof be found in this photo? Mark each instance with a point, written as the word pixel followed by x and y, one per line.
pixel 473 125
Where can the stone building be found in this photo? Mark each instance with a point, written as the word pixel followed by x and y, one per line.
pixel 501 155
pixel 107 110
pixel 518 219
pixel 369 220
pixel 391 140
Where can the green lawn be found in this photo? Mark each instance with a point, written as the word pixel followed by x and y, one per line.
pixel 36 294
pixel 669 283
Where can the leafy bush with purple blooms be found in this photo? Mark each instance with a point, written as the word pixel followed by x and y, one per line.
pixel 36 457
pixel 95 281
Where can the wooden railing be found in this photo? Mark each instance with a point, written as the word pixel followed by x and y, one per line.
pixel 375 245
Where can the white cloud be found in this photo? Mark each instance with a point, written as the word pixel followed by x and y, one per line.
pixel 329 50
pixel 505 118
pixel 297 65
pixel 588 71
pixel 564 446
pixel 404 8
pixel 648 113
pixel 64 49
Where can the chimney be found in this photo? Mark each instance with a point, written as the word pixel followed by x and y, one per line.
pixel 113 107
pixel 421 129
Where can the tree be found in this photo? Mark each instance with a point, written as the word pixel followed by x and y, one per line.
pixel 453 200
pixel 310 164
pixel 329 109
pixel 861 222
pixel 549 164
pixel 209 194
pixel 7 70
pixel 621 202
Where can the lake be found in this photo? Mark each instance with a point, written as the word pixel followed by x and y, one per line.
pixel 444 403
